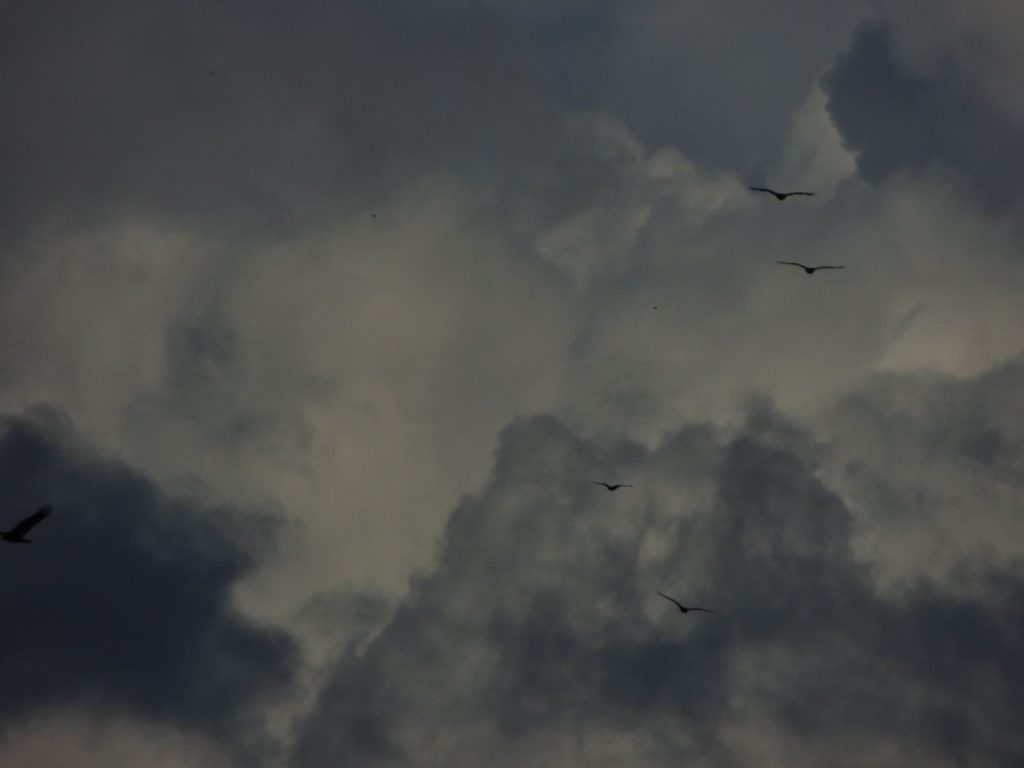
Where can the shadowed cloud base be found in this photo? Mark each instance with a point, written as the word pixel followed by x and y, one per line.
pixel 123 602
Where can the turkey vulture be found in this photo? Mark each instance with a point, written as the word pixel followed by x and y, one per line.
pixel 780 195
pixel 17 534
pixel 613 486
pixel 683 608
pixel 805 268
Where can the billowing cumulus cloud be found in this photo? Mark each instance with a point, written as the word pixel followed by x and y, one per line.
pixel 122 603
pixel 540 639
pixel 315 258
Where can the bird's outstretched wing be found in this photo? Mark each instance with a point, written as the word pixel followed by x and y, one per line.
pixel 705 610
pixel 604 485
pixel 30 522
pixel 790 194
pixel 764 189
pixel 826 266
pixel 793 264
pixel 672 599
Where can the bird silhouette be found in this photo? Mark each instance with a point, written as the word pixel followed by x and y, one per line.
pixel 780 195
pixel 17 534
pixel 685 608
pixel 613 486
pixel 805 268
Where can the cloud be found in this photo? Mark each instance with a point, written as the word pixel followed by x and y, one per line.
pixel 933 467
pixel 236 118
pixel 950 30
pixel 539 171
pixel 230 116
pixel 539 637
pixel 74 739
pixel 897 119
pixel 123 604
pixel 721 83
pixel 189 269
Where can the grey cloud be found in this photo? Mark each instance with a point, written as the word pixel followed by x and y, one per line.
pixel 721 82
pixel 899 120
pixel 341 622
pixel 539 637
pixel 929 461
pixel 123 603
pixel 309 110
pixel 272 345
pixel 346 610
pixel 330 107
pixel 204 385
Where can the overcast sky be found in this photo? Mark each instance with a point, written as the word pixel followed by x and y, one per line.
pixel 319 321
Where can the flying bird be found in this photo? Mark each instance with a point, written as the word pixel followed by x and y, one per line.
pixel 17 534
pixel 613 486
pixel 684 608
pixel 805 268
pixel 780 195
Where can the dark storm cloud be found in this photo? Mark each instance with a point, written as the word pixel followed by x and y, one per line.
pixel 123 602
pixel 252 333
pixel 898 120
pixel 539 633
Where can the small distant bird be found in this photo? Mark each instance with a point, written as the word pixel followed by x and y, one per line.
pixel 684 608
pixel 613 486
pixel 805 268
pixel 655 306
pixel 17 534
pixel 373 215
pixel 780 195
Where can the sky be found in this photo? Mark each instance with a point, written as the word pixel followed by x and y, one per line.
pixel 320 320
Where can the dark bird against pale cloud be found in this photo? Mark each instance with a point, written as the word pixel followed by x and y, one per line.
pixel 807 269
pixel 780 196
pixel 685 608
pixel 320 259
pixel 612 486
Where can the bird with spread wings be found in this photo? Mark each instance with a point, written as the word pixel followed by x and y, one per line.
pixel 685 608
pixel 807 269
pixel 780 195
pixel 17 534
pixel 613 486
